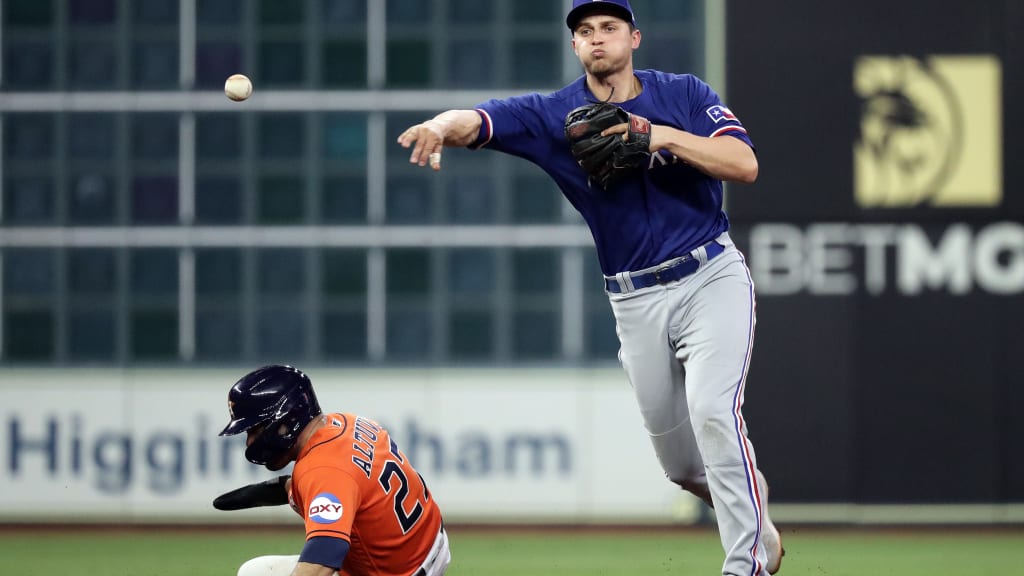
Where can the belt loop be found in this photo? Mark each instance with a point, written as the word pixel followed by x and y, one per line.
pixel 625 282
pixel 701 254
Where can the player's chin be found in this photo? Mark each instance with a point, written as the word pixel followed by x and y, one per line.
pixel 600 66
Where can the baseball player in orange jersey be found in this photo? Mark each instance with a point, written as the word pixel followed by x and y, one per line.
pixel 367 511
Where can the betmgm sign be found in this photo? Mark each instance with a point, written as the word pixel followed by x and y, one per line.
pixel 930 131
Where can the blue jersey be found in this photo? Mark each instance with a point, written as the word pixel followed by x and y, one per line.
pixel 661 213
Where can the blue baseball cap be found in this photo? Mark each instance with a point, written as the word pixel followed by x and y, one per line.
pixel 583 8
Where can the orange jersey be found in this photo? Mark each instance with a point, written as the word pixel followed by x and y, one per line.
pixel 352 482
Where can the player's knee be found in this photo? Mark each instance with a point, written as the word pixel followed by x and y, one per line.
pixel 269 566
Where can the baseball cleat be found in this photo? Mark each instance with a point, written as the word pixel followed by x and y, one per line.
pixel 770 536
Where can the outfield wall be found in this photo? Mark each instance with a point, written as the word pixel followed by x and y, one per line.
pixel 494 446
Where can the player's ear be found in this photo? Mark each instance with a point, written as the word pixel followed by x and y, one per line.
pixel 636 38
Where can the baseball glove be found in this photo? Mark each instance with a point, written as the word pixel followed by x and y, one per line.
pixel 268 493
pixel 607 158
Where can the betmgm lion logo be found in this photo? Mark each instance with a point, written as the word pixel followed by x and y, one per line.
pixel 930 132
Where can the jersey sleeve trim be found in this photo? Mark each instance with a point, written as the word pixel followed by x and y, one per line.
pixel 486 130
pixel 725 129
pixel 329 534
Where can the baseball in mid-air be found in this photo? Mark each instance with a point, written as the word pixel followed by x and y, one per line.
pixel 238 87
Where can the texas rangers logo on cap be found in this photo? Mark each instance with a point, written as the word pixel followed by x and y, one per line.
pixel 325 509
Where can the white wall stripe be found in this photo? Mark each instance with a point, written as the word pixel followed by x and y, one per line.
pixel 269 101
pixel 573 314
pixel 300 236
pixel 186 304
pixel 376 305
pixel 187 168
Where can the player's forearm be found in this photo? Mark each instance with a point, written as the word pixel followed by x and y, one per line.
pixel 724 157
pixel 459 127
pixel 307 569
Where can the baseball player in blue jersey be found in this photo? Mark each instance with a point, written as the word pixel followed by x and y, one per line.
pixel 680 290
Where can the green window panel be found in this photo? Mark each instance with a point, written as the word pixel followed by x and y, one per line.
pixel 471 63
pixel 162 12
pixel 665 11
pixel 536 335
pixel 154 334
pixel 219 333
pixel 219 274
pixel 410 11
pixel 472 273
pixel 410 199
pixel 335 13
pixel 281 272
pixel 410 335
pixel 671 55
pixel 28 65
pixel 471 335
pixel 471 197
pixel 91 136
pixel 282 135
pixel 92 334
pixel 154 136
pixel 282 64
pixel 28 137
pixel 92 64
pixel 29 334
pixel 218 136
pixel 218 200
pixel 92 198
pixel 154 272
pixel 281 200
pixel 281 334
pixel 29 272
pixel 535 200
pixel 344 273
pixel 94 13
pixel 343 64
pixel 29 200
pixel 281 12
pixel 220 12
pixel 154 65
pixel 92 272
pixel 409 63
pixel 28 14
pixel 470 11
pixel 536 63
pixel 599 339
pixel 408 272
pixel 344 335
pixel 344 137
pixel 536 271
pixel 155 200
pixel 537 11
pixel 343 200
pixel 216 60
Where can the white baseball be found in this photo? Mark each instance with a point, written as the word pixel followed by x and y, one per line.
pixel 238 87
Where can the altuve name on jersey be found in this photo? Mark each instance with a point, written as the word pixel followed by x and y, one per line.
pixel 365 436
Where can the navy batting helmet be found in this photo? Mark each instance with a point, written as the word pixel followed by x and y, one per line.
pixel 278 398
